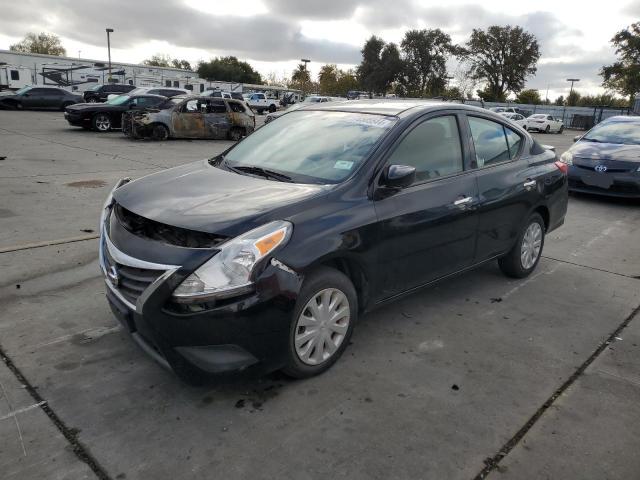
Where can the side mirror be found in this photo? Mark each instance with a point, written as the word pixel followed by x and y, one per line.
pixel 576 138
pixel 398 176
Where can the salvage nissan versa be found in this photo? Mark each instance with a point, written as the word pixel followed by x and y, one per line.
pixel 264 257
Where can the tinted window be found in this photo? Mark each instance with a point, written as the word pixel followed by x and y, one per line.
pixel 514 141
pixel 490 141
pixel 167 83
pixel 15 75
pixel 433 148
pixel 188 87
pixel 176 83
pixel 236 107
pixel 201 88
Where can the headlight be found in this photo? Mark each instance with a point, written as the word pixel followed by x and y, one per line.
pixel 567 157
pixel 228 273
pixel 107 203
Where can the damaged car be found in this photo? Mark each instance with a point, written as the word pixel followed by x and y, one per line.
pixel 264 256
pixel 191 117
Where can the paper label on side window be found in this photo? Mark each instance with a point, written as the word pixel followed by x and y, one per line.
pixel 343 165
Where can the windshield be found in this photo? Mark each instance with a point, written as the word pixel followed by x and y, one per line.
pixel 627 133
pixel 23 89
pixel 119 100
pixel 312 146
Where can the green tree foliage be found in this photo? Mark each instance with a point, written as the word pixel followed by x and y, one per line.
pixel 573 99
pixel 301 79
pixel 624 75
pixel 228 69
pixel 158 60
pixel 529 96
pixel 424 57
pixel 502 57
pixel 181 64
pixel 48 44
pixel 333 81
pixel 380 66
pixel 559 101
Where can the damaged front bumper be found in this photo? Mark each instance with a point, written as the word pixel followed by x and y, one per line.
pixel 246 332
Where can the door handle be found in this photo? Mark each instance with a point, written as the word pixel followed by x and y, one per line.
pixel 461 202
pixel 530 184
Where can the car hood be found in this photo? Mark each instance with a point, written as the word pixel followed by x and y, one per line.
pixel 201 197
pixel 91 106
pixel 606 151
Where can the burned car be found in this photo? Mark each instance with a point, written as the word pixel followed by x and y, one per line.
pixel 191 117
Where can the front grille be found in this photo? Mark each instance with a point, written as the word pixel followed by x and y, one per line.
pixel 182 237
pixel 132 281
pixel 616 187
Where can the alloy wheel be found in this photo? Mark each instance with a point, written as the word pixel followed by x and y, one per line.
pixel 322 326
pixel 531 243
pixel 103 123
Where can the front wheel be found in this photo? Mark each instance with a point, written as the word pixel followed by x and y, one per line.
pixel 525 254
pixel 101 122
pixel 322 323
pixel 548 129
pixel 272 108
pixel 561 129
pixel 159 132
pixel 235 134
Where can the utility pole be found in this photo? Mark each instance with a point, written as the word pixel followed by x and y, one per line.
pixel 572 80
pixel 109 30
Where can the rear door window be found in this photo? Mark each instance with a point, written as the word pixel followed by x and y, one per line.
pixel 490 142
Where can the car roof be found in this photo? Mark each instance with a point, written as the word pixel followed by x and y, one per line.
pixel 623 118
pixel 395 107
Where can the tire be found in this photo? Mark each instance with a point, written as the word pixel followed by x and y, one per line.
pixel 548 129
pixel 272 108
pixel 92 100
pixel 101 122
pixel 260 111
pixel 328 285
pixel 516 263
pixel 18 106
pixel 561 129
pixel 159 132
pixel 236 134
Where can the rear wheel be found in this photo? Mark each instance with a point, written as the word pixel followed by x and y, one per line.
pixel 272 108
pixel 525 254
pixel 159 132
pixel 322 323
pixel 101 122
pixel 548 129
pixel 18 106
pixel 561 129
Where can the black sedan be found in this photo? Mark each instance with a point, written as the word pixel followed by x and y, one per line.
pixel 38 98
pixel 103 117
pixel 606 160
pixel 264 256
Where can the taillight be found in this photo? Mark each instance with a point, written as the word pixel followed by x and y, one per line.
pixel 563 167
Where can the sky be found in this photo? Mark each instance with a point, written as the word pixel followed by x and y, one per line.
pixel 273 35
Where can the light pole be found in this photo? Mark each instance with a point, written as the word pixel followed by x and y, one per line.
pixel 305 61
pixel 109 30
pixel 572 80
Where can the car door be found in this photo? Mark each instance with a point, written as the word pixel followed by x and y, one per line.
pixel 35 98
pixel 428 230
pixel 507 184
pixel 217 121
pixel 187 120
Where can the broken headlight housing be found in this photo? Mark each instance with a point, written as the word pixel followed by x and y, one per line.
pixel 567 157
pixel 228 273
pixel 106 208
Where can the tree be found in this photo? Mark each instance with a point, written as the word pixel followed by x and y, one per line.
pixel 300 78
pixel 48 44
pixel 559 101
pixel 502 57
pixel 228 69
pixel 158 60
pixel 328 79
pixel 380 65
pixel 465 82
pixel 424 56
pixel 181 64
pixel 624 75
pixel 573 98
pixel 529 96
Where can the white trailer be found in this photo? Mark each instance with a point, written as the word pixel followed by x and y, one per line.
pixel 14 78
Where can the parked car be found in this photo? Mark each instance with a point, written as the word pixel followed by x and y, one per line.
pixel 222 94
pixel 516 118
pixel 259 102
pixel 99 93
pixel 606 159
pixel 38 98
pixel 191 117
pixel 307 101
pixel 163 91
pixel 103 117
pixel 263 257
pixel 544 123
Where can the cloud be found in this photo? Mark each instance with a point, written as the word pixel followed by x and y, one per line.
pixel 266 37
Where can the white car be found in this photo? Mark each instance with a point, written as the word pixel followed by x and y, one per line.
pixel 516 118
pixel 544 123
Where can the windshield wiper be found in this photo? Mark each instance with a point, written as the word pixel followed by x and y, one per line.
pixel 263 172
